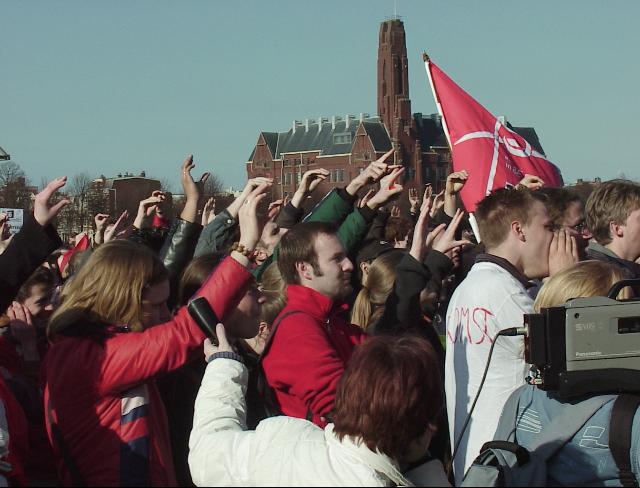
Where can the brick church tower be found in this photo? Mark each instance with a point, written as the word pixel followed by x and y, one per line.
pixel 394 105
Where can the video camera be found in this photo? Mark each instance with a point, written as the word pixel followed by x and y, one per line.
pixel 589 345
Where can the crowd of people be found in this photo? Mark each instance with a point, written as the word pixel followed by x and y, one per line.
pixel 352 336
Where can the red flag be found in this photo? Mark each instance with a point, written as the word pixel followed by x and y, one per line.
pixel 82 244
pixel 494 155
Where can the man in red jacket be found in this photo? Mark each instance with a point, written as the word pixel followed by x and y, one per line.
pixel 312 341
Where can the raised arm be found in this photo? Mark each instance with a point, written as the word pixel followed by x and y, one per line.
pixel 133 358
pixel 32 245
pixel 219 442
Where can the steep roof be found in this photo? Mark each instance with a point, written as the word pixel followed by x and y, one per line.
pixel 320 137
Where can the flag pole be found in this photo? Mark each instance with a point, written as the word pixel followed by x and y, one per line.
pixel 427 61
pixel 445 128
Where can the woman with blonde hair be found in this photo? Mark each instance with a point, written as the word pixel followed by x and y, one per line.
pixel 111 338
pixel 377 286
pixel 584 279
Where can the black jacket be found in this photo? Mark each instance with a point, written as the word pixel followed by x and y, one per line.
pixel 28 249
pixel 177 252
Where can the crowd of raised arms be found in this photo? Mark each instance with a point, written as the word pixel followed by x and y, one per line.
pixel 352 337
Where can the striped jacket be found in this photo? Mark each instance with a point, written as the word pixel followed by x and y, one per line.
pixel 106 419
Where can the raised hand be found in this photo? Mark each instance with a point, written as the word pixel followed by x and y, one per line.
pixel 209 211
pixel 419 244
pixel 43 210
pixel 414 200
pixel 101 223
pixel 192 190
pixel 274 209
pixel 531 182
pixel 438 203
pixel 311 179
pixel 456 182
pixel 388 187
pixel 446 241
pixel 23 331
pixel 114 230
pixel 250 225
pixel 376 170
pixel 563 252
pixel 147 208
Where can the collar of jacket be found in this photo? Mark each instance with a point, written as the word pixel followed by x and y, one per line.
pixel 312 302
pixel 361 454
pixel 594 246
pixel 507 266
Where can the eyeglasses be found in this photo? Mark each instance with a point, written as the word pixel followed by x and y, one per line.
pixel 580 228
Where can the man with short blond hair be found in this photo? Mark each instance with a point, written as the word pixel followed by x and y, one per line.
pixel 517 231
pixel 613 216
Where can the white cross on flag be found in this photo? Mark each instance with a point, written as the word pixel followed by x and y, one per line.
pixel 494 155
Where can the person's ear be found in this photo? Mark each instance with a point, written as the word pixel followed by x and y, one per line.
pixel 518 231
pixel 364 268
pixel 615 229
pixel 304 270
pixel 263 330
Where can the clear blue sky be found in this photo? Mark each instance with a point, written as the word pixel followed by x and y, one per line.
pixel 108 87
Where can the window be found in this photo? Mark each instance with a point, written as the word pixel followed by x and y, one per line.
pixel 287 178
pixel 344 138
pixel 298 178
pixel 336 175
pixel 286 163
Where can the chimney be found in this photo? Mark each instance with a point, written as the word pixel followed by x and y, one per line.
pixel 502 119
pixel 295 125
pixel 321 120
pixel 348 118
pixel 597 180
pixel 143 174
pixel 363 116
pixel 334 121
pixel 307 123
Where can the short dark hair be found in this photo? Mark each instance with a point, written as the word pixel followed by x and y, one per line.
pixel 558 202
pixel 389 394
pixel 41 277
pixel 397 229
pixel 495 213
pixel 298 245
pixel 611 201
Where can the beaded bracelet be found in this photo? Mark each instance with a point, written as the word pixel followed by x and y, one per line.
pixel 248 253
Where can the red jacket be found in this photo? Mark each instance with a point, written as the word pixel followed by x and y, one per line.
pixel 103 397
pixel 308 353
pixel 18 428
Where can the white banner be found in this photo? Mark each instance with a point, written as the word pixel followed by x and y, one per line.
pixel 16 218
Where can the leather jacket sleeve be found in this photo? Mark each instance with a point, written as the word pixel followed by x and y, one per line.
pixel 178 250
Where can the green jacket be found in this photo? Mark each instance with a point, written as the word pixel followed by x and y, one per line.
pixel 336 207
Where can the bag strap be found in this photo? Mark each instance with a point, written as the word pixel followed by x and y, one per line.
pixel 274 327
pixel 620 430
pixel 506 430
pixel 70 463
pixel 268 394
pixel 566 425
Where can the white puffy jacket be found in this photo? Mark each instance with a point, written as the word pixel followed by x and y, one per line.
pixel 282 451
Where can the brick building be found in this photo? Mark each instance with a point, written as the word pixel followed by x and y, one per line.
pixel 346 145
pixel 123 192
